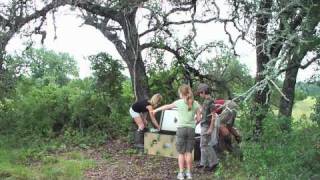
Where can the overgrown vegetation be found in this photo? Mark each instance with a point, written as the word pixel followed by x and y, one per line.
pixel 46 123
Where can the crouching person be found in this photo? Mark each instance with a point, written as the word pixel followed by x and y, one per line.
pixel 227 118
pixel 138 112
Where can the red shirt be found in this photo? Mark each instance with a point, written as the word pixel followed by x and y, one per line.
pixel 218 103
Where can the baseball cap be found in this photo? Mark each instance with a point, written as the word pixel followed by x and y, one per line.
pixel 202 87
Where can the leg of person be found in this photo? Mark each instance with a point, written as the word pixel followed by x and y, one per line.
pixel 188 158
pixel 225 138
pixel 213 159
pixel 189 149
pixel 210 155
pixel 232 130
pixel 181 162
pixel 181 148
pixel 144 119
pixel 235 133
pixel 139 134
pixel 203 143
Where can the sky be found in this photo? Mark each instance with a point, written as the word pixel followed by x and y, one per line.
pixel 81 41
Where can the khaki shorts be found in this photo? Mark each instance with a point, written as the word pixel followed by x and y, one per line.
pixel 185 139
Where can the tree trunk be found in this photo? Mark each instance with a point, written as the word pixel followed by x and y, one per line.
pixel 260 101
pixel 138 78
pixel 129 49
pixel 288 89
pixel 133 57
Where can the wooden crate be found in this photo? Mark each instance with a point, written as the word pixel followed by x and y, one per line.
pixel 160 144
pixel 163 145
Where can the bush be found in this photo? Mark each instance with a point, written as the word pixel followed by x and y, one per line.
pixel 282 155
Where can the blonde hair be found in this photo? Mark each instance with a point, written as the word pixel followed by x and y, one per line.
pixel 186 92
pixel 155 100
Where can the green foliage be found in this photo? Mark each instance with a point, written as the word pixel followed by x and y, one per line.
pixel 277 154
pixel 11 73
pixel 165 82
pixel 107 72
pixel 315 116
pixel 77 110
pixel 50 67
pixel 230 76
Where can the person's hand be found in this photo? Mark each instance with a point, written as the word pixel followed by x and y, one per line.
pixel 153 112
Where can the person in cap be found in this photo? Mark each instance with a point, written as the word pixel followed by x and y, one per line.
pixel 138 112
pixel 209 125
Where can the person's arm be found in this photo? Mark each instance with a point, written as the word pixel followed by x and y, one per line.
pixel 212 122
pixel 153 118
pixel 198 115
pixel 165 107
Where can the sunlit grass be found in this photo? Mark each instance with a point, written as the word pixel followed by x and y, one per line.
pixel 70 165
pixel 303 109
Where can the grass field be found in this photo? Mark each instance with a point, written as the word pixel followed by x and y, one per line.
pixel 39 165
pixel 303 108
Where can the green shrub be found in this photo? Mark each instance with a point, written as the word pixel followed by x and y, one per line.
pixel 282 155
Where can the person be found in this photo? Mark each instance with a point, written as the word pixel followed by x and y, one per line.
pixel 208 158
pixel 187 108
pixel 227 117
pixel 138 112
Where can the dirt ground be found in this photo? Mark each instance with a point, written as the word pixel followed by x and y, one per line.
pixel 118 160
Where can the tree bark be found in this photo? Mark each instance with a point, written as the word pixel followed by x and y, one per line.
pixel 134 61
pixel 288 89
pixel 260 101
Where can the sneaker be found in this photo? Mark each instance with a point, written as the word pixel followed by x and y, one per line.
pixel 188 175
pixel 180 176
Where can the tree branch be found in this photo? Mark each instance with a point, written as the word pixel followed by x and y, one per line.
pixel 315 58
pixel 180 60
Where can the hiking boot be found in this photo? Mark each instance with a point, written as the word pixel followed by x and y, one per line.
pixel 188 175
pixel 139 139
pixel 199 166
pixel 180 176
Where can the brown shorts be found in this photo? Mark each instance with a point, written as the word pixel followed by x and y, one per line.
pixel 185 139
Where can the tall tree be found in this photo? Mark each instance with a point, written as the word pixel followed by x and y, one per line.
pixel 118 21
pixel 304 19
pixel 17 13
